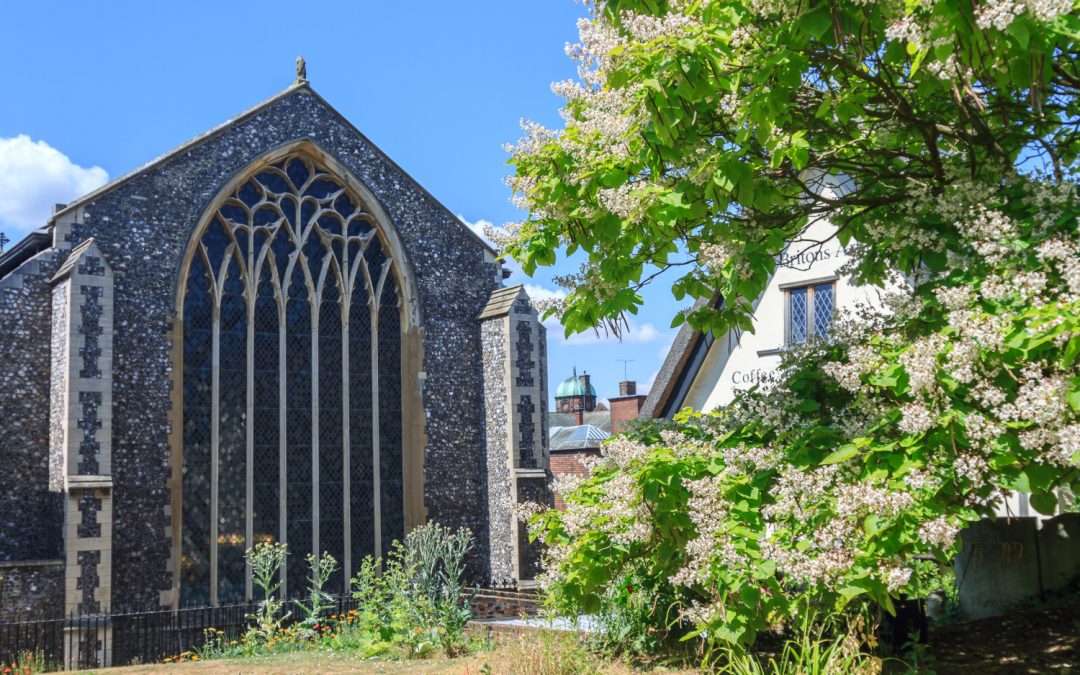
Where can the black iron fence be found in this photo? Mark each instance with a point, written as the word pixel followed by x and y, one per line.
pixel 130 637
pixel 126 637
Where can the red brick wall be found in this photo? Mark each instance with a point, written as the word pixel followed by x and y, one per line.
pixel 624 409
pixel 568 463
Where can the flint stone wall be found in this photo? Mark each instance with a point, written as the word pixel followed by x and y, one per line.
pixel 30 512
pixel 500 553
pixel 143 226
pixel 31 589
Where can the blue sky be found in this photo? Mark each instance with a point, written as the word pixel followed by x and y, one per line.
pixel 93 90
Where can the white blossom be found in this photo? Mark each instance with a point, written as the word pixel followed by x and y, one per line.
pixel 916 418
pixel 896 577
pixel 938 532
pixel 997 14
pixel 920 362
pixel 1067 450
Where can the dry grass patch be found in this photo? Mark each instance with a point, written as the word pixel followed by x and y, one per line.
pixel 538 652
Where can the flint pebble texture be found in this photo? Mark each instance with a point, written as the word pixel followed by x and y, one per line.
pixel 30 512
pixel 32 590
pixel 499 479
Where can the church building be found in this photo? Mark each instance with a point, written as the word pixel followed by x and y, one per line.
pixel 271 333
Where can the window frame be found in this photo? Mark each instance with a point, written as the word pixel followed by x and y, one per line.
pixel 809 285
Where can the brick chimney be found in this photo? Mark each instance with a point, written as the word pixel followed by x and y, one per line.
pixel 626 406
pixel 585 377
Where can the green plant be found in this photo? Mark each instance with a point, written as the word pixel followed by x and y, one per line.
pixel 26 663
pixel 626 618
pixel 266 560
pixel 320 569
pixel 939 141
pixel 439 555
pixel 815 648
pixel 417 598
pixel 372 597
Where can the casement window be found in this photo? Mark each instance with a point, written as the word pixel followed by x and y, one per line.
pixel 809 310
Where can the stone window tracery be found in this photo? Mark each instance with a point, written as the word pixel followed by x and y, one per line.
pixel 292 413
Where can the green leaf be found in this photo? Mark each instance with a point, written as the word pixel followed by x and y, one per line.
pixel 815 23
pixel 1074 394
pixel 613 178
pixel 1040 476
pixel 845 110
pixel 841 454
pixel 1072 350
pixel 1045 503
pixel 917 61
pixel 673 198
pixel 1019 31
pixel 849 593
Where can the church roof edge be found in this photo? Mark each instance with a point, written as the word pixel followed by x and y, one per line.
pixel 186 145
pixel 254 110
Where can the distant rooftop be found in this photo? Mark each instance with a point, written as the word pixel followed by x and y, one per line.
pixel 601 419
pixel 575 386
pixel 580 437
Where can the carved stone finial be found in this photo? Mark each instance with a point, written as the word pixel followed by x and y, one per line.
pixel 301 70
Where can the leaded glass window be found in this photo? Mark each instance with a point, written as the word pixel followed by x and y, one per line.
pixel 809 312
pixel 292 412
pixel 798 299
pixel 823 309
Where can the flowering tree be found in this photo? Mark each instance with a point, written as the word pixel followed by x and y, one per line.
pixel 698 142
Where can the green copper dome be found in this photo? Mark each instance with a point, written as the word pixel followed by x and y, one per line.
pixel 574 386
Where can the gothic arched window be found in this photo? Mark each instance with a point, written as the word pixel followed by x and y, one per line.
pixel 292 403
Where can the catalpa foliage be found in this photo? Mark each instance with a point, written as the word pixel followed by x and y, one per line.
pixel 940 139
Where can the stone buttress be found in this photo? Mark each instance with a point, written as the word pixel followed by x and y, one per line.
pixel 514 348
pixel 81 439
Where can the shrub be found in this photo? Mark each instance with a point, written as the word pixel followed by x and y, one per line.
pixel 418 599
pixel 413 601
pixel 547 652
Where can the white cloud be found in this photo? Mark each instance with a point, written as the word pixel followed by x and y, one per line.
pixel 537 292
pixel 632 333
pixel 33 177
pixel 478 227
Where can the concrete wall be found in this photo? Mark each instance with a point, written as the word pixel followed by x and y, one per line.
pixel 1004 563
